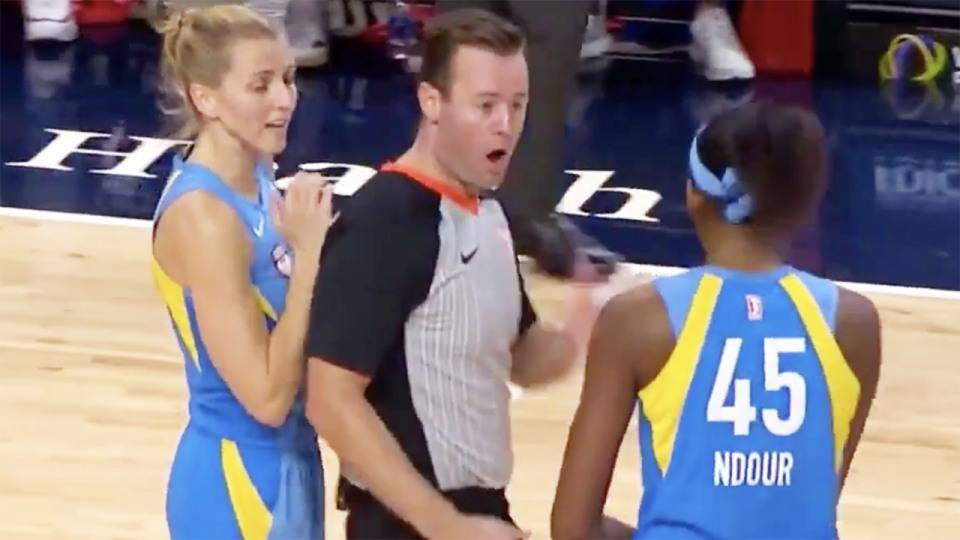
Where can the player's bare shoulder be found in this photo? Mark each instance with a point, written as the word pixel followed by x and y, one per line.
pixel 202 217
pixel 858 332
pixel 635 323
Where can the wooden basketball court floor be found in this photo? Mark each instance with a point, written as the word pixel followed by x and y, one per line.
pixel 92 401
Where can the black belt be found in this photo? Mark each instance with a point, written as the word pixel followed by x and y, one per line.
pixel 472 500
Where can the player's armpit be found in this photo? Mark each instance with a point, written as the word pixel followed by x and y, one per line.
pixel 212 252
pixel 625 332
pixel 858 332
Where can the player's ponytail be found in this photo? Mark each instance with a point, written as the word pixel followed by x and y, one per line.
pixel 174 101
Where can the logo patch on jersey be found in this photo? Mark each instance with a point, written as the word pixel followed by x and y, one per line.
pixel 465 258
pixel 754 308
pixel 282 260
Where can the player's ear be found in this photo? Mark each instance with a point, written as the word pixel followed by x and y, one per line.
pixel 429 97
pixel 204 99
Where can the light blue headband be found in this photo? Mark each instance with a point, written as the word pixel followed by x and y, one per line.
pixel 728 190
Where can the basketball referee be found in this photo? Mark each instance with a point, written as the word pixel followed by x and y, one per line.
pixel 420 316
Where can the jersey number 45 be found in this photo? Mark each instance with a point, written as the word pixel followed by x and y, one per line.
pixel 742 414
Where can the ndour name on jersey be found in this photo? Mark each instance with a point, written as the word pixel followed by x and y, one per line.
pixel 752 468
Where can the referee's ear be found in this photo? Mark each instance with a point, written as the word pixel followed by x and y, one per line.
pixel 429 97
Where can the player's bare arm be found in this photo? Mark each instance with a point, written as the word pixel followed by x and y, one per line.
pixel 631 332
pixel 858 332
pixel 202 244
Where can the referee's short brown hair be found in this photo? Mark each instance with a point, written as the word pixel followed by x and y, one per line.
pixel 445 34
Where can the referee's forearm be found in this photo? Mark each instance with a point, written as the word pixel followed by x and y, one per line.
pixel 542 356
pixel 374 458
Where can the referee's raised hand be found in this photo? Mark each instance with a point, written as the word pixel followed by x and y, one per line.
pixel 304 213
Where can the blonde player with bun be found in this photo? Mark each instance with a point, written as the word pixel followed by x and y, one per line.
pixel 235 264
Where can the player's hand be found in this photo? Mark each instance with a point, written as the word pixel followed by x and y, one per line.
pixel 304 213
pixel 475 527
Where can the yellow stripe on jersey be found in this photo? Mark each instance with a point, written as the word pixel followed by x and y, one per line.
pixel 264 304
pixel 842 384
pixel 253 518
pixel 176 302
pixel 663 398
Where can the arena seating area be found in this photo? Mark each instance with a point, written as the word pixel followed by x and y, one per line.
pixel 792 37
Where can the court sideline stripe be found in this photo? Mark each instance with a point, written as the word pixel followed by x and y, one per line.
pixel 642 269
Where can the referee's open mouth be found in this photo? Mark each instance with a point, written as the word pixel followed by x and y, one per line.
pixel 497 156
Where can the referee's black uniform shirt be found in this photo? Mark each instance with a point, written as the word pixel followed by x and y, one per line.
pixel 419 289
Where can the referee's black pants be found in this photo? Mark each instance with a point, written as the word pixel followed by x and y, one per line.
pixel 367 519
pixel 554 28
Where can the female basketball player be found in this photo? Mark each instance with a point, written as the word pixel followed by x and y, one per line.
pixel 754 379
pixel 237 280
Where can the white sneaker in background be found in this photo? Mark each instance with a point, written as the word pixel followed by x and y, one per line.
pixel 716 47
pixel 596 40
pixel 48 20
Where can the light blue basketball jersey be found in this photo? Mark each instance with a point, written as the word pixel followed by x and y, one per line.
pixel 742 432
pixel 233 477
pixel 213 406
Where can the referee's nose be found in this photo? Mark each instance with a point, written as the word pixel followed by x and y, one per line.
pixel 502 120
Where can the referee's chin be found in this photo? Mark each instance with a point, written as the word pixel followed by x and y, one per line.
pixel 492 178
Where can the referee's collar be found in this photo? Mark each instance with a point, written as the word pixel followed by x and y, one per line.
pixel 444 189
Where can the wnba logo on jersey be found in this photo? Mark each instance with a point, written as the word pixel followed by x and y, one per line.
pixel 282 259
pixel 754 308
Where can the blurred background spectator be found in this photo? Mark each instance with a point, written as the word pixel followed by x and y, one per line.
pixel 714 44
